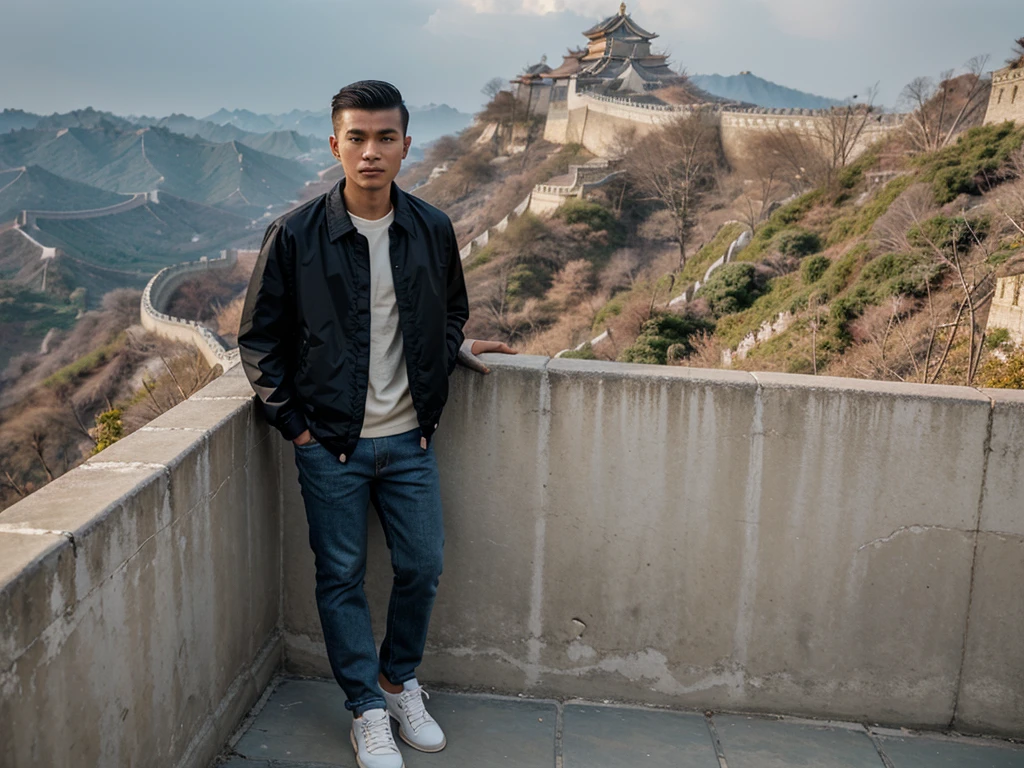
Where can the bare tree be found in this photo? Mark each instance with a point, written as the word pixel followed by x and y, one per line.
pixel 973 277
pixel 675 166
pixel 768 168
pixel 1016 61
pixel 938 112
pixel 493 87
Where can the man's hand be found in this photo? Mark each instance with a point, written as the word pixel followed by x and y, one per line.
pixel 479 347
pixel 470 349
pixel 304 438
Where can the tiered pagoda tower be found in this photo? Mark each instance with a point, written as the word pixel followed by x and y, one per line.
pixel 619 58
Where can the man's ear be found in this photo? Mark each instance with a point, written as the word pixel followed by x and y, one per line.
pixel 405 149
pixel 333 141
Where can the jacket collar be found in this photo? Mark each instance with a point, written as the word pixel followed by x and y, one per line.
pixel 339 223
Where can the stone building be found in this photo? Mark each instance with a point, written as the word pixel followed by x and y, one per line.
pixel 1007 310
pixel 1007 99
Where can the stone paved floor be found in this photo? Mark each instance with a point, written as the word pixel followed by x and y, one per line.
pixel 304 723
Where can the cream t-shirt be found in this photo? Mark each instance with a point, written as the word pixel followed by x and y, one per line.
pixel 389 407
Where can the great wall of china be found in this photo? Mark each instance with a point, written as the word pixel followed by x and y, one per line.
pixel 156 320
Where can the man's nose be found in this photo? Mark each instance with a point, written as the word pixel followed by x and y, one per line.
pixel 371 150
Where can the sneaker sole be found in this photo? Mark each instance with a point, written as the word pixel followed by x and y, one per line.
pixel 355 746
pixel 402 736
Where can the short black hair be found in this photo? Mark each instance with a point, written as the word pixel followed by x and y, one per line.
pixel 370 94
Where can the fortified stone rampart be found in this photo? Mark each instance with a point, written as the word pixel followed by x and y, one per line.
pixel 596 122
pixel 28 218
pixel 1007 310
pixel 156 320
pixel 1006 101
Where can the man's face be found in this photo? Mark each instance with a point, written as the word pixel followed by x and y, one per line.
pixel 370 146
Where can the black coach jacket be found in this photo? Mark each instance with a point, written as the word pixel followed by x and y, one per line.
pixel 304 335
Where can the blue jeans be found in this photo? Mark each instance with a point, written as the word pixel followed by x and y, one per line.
pixel 401 480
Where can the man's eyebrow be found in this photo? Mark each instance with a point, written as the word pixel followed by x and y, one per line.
pixel 361 132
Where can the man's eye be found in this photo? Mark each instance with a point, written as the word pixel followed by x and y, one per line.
pixel 355 139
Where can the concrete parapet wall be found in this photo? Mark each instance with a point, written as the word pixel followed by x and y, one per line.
pixel 139 593
pixel 716 539
pixel 159 291
pixel 698 539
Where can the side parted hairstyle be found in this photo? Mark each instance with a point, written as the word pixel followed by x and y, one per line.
pixel 371 95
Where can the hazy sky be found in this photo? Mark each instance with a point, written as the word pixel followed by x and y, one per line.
pixel 195 56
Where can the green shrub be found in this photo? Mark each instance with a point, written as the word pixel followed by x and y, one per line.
pixel 812 269
pixel 613 308
pixel 586 352
pixel 528 281
pixel 577 211
pixel 899 274
pixel 859 222
pixel 109 429
pixel 979 155
pixel 945 231
pixel 661 332
pixel 797 242
pixel 996 338
pixel 731 288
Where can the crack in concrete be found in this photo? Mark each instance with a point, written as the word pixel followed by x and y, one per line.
pixel 915 529
pixel 11 528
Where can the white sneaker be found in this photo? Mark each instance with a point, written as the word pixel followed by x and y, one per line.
pixel 373 741
pixel 415 725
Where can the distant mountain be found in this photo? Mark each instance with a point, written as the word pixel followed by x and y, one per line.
pixel 82 118
pixel 228 174
pixel 751 89
pixel 288 144
pixel 426 124
pixel 244 119
pixel 16 119
pixel 35 188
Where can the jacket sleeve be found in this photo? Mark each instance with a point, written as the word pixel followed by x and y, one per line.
pixel 458 300
pixel 268 333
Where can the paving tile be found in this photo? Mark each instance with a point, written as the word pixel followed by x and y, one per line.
pixel 617 737
pixel 305 721
pixel 485 731
pixel 750 742
pixel 925 752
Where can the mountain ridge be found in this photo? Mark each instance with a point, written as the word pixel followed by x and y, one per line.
pixel 748 88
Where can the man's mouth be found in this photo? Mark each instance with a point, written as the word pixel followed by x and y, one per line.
pixel 371 171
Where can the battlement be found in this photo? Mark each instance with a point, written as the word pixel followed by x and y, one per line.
pixel 1007 99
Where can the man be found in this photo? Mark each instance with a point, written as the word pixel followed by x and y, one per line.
pixel 351 326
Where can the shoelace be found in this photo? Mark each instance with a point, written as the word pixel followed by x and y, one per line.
pixel 414 708
pixel 377 736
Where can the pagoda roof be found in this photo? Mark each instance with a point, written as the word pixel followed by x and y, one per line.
pixel 616 22
pixel 570 64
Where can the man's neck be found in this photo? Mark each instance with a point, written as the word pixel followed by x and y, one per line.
pixel 367 204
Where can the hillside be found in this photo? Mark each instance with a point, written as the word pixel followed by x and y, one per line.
pixel 36 188
pixel 139 160
pixel 751 89
pixel 148 238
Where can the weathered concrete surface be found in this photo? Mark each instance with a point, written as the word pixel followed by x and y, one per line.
pixel 698 539
pixel 302 723
pixel 713 539
pixel 145 609
pixel 991 696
